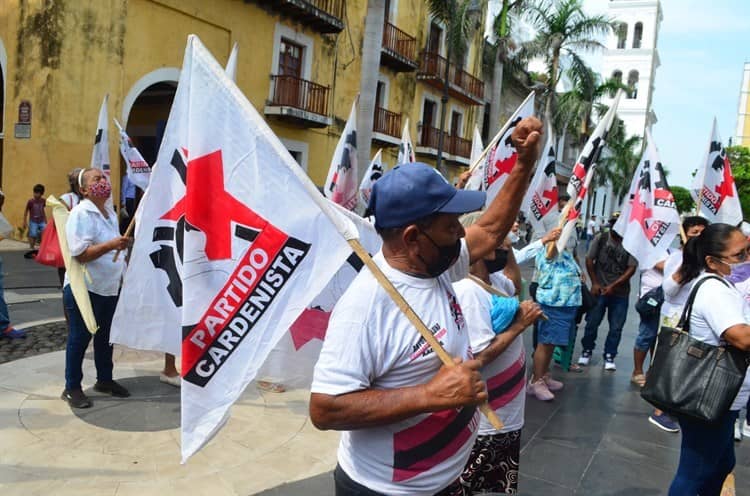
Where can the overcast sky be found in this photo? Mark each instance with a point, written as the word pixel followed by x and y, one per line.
pixel 703 45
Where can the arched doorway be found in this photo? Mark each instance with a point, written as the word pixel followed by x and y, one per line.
pixel 145 122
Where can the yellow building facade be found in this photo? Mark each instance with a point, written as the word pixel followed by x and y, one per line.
pixel 742 134
pixel 299 64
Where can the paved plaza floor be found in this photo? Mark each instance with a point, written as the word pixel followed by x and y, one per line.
pixel 594 439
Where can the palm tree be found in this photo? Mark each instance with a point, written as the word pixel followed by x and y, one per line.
pixel 460 18
pixel 371 46
pixel 502 48
pixel 563 29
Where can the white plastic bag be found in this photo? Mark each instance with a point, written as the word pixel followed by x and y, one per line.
pixel 5 228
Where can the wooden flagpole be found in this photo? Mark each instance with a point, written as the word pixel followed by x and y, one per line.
pixel 560 224
pixel 128 232
pixel 410 314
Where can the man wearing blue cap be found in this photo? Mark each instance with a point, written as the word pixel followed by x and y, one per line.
pixel 408 422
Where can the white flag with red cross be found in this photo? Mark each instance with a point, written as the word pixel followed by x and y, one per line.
pixel 138 170
pixel 714 188
pixel 475 181
pixel 341 184
pixel 574 212
pixel 540 203
pixel 234 241
pixel 405 149
pixel 594 146
pixel 649 221
pixel 374 172
pixel 503 156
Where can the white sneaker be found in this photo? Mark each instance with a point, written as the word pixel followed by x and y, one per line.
pixel 585 358
pixel 609 363
pixel 746 429
pixel 172 381
pixel 738 430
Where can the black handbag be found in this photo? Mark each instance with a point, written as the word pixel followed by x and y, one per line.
pixel 649 305
pixel 692 378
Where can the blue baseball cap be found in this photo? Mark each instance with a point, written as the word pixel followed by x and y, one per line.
pixel 413 191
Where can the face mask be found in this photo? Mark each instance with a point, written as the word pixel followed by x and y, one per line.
pixel 514 238
pixel 738 272
pixel 499 263
pixel 100 189
pixel 447 255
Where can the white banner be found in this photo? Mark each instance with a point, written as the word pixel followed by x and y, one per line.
pixel 374 172
pixel 341 184
pixel 100 153
pixel 650 221
pixel 503 156
pixel 138 170
pixel 714 185
pixel 475 181
pixel 231 69
pixel 255 247
pixel 405 149
pixel 540 203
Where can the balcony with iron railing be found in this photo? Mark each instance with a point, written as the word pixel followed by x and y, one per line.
pixel 399 50
pixel 386 127
pixel 299 101
pixel 325 16
pixel 461 85
pixel 455 148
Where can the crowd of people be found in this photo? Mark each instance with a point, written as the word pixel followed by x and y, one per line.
pixel 410 423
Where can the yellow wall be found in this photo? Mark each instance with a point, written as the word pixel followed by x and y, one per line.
pixel 64 57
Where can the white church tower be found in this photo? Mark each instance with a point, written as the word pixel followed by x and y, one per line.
pixel 631 56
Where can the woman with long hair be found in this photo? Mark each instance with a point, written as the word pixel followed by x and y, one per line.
pixel 719 316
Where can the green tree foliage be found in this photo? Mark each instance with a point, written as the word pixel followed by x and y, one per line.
pixel 739 158
pixel 682 198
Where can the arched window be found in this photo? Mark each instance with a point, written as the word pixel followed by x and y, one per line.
pixel 616 78
pixel 622 34
pixel 633 84
pixel 638 35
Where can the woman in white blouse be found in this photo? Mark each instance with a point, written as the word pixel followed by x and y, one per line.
pixel 93 235
pixel 719 316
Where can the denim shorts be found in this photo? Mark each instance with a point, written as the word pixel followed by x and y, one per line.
pixel 647 330
pixel 556 329
pixel 36 228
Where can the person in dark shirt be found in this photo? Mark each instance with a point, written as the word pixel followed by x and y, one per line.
pixel 35 218
pixel 610 268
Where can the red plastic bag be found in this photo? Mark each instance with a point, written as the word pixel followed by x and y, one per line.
pixel 49 249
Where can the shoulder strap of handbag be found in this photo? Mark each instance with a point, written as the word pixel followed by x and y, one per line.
pixel 684 322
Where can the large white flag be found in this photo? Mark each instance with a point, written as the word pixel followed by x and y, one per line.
pixel 293 359
pixel 139 172
pixel 594 146
pixel 232 62
pixel 503 156
pixel 254 245
pixel 374 172
pixel 100 153
pixel 475 181
pixel 714 185
pixel 341 183
pixel 650 221
pixel 405 149
pixel 540 202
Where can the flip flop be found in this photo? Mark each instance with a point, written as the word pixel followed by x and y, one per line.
pixel 638 379
pixel 574 367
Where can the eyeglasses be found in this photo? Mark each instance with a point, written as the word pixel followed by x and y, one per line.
pixel 739 257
